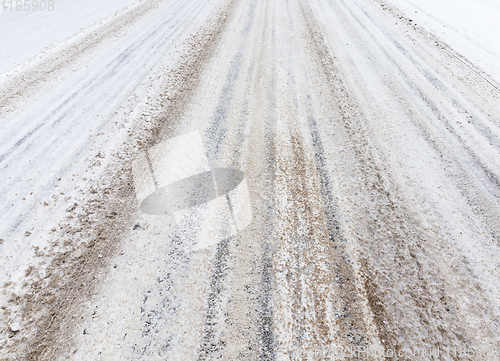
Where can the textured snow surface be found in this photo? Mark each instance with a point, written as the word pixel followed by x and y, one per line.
pixel 472 27
pixel 334 169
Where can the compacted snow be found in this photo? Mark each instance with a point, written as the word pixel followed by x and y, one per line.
pixel 250 179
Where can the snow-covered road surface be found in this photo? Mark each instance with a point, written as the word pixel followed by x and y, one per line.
pixel 249 179
pixel 27 35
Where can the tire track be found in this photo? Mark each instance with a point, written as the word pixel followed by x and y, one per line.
pixel 394 253
pixel 72 276
pixel 216 337
pixel 336 257
pixel 484 193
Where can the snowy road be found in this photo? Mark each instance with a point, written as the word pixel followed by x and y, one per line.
pixel 251 179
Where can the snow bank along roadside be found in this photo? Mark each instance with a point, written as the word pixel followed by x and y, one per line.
pixel 29 36
pixel 471 27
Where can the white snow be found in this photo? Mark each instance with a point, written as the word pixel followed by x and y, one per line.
pixel 26 34
pixel 471 27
